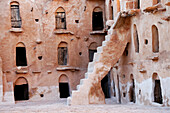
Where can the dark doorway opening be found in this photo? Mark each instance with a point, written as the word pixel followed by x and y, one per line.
pixel 21 56
pixel 157 92
pixel 132 92
pixel 138 4
pixel 64 90
pixel 21 92
pixel 118 89
pixel 91 54
pixel 106 86
pixel 136 39
pixel 98 21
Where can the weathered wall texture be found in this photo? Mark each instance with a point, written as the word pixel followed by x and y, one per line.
pixel 145 63
pixel 42 39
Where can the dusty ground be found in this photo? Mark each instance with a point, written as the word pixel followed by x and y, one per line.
pixel 61 107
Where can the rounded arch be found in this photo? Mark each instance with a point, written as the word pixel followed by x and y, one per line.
pixel 97 19
pixel 21 57
pixel 20 44
pixel 60 18
pixel 14 3
pixel 156 89
pixel 21 81
pixel 136 38
pixel 63 53
pixel 155 39
pixel 155 76
pixel 97 9
pixel 60 10
pixel 93 46
pixel 63 79
pixel 131 77
pixel 63 44
pixel 64 86
pixel 154 26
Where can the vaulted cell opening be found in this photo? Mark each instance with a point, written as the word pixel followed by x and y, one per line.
pixel 15 15
pixel 155 39
pixel 97 20
pixel 92 50
pixel 21 89
pixel 64 86
pixel 132 97
pixel 21 59
pixel 60 17
pixel 62 53
pixel 136 39
pixel 106 86
pixel 157 90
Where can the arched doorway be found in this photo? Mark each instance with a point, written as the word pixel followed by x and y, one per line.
pixel 60 17
pixel 16 21
pixel 132 97
pixel 157 91
pixel 64 86
pixel 97 19
pixel 21 59
pixel 21 91
pixel 136 38
pixel 155 39
pixel 63 53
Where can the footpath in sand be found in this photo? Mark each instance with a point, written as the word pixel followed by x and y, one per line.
pixel 61 107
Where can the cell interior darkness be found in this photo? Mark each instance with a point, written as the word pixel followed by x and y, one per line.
pixel 106 85
pixel 91 54
pixel 98 21
pixel 64 90
pixel 21 59
pixel 157 92
pixel 21 92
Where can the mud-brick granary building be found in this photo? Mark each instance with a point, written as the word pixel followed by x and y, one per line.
pixel 86 50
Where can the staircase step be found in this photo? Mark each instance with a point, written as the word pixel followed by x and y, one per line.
pixel 86 75
pixel 107 38
pixel 100 49
pixel 104 43
pixel 82 80
pixel 75 91
pixel 96 57
pixel 91 67
pixel 78 87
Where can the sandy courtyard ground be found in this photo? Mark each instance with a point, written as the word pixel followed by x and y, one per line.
pixel 61 107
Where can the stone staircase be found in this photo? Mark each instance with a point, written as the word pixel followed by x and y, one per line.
pixel 89 90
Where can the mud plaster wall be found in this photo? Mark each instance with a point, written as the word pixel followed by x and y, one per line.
pixel 42 75
pixel 141 64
